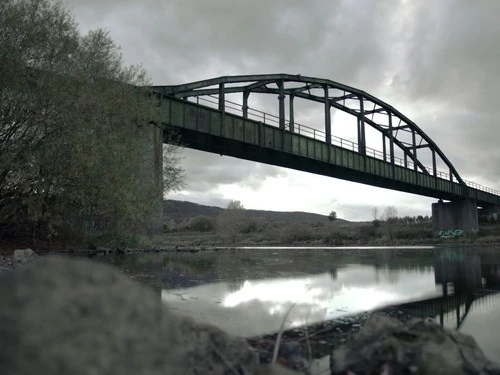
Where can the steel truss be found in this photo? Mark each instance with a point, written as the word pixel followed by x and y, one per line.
pixel 367 109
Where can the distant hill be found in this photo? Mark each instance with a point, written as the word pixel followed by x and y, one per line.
pixel 181 210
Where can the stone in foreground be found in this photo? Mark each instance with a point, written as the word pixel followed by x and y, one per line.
pixel 24 255
pixel 386 346
pixel 67 316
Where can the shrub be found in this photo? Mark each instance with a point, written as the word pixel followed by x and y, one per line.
pixel 201 224
pixel 368 231
pixel 335 238
pixel 297 233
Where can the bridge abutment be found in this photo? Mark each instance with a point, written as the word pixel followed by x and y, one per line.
pixel 455 215
pixel 153 165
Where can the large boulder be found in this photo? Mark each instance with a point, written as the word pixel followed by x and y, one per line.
pixel 386 346
pixel 67 316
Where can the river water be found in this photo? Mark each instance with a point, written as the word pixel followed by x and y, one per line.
pixel 249 292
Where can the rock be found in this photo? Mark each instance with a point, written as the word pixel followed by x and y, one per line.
pixel 386 346
pixel 290 355
pixel 24 256
pixel 75 316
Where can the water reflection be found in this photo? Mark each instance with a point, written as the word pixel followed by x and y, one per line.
pixel 249 295
pixel 248 292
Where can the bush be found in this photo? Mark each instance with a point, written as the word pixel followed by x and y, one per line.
pixel 335 238
pixel 417 232
pixel 251 226
pixel 367 231
pixel 201 224
pixel 297 233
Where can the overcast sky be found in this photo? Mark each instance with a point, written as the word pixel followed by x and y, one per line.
pixel 437 62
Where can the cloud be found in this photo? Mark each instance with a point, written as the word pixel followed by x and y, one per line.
pixel 436 62
pixel 208 171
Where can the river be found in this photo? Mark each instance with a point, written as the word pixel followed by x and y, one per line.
pixel 249 291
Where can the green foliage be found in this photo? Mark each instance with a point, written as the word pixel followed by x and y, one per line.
pixel 74 127
pixel 202 224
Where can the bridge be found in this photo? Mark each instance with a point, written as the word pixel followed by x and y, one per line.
pixel 399 158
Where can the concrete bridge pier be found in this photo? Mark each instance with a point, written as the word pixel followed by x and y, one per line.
pixel 455 215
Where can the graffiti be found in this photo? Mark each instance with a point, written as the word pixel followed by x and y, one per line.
pixel 451 233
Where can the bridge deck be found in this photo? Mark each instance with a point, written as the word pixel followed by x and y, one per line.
pixel 211 130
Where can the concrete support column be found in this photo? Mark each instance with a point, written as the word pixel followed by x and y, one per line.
pixel 455 215
pixel 153 176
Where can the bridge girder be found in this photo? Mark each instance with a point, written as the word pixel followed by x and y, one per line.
pixel 263 84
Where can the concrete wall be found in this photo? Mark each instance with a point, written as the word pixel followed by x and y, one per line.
pixel 455 215
pixel 153 164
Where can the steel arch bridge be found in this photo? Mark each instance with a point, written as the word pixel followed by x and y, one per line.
pixel 200 112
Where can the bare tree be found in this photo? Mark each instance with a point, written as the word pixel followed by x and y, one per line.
pixel 390 217
pixel 390 213
pixel 231 221
pixel 375 213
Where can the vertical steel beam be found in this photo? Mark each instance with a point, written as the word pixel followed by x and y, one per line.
pixel 361 128
pixel 222 100
pixel 246 94
pixel 328 119
pixel 384 150
pixel 415 167
pixel 291 117
pixel 434 171
pixel 406 160
pixel 281 98
pixel 391 139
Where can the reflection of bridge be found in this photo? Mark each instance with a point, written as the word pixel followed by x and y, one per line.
pixel 465 278
pixel 468 281
pixel 396 161
pixel 460 303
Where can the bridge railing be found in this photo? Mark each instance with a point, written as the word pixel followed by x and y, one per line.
pixel 270 119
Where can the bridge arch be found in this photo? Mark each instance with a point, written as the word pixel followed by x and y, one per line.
pixel 391 123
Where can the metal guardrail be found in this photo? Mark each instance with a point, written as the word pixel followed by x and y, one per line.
pixel 270 119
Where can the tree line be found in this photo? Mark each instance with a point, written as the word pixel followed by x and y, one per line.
pixel 75 130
